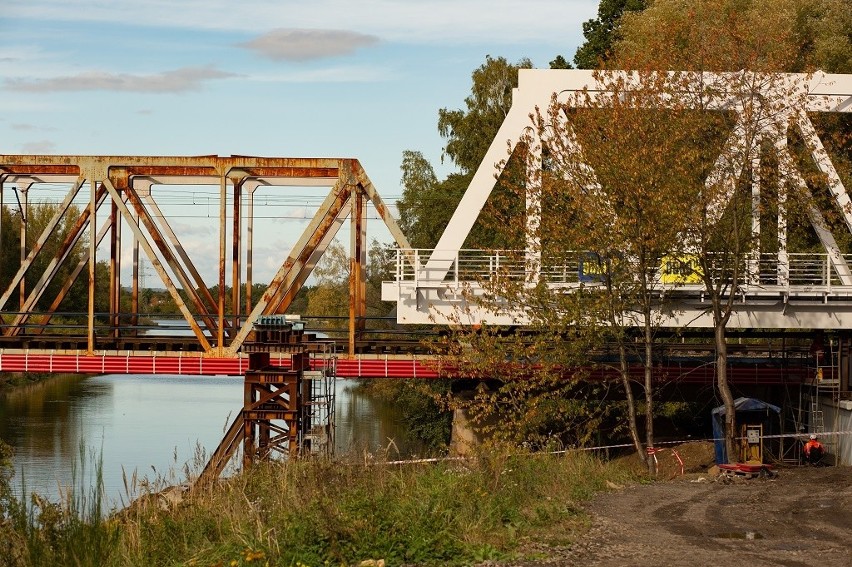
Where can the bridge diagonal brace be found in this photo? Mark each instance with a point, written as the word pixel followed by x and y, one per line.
pixel 155 262
pixel 381 208
pixel 55 264
pixel 823 162
pixel 302 271
pixel 210 306
pixel 818 220
pixel 145 217
pixel 48 230
pixel 69 282
pixel 726 171
pixel 464 217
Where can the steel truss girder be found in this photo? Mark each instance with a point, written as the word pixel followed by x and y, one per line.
pixel 819 92
pixel 124 179
pixel 797 95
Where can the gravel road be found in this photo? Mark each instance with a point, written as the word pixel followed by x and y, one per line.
pixel 802 517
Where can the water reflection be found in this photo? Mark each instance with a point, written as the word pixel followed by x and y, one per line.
pixel 367 424
pixel 153 426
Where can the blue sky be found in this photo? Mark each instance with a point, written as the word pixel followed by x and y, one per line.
pixel 273 78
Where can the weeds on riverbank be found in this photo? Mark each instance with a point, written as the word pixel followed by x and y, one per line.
pixel 342 513
pixel 73 531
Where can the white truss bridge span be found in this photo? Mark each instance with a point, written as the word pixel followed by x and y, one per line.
pixel 781 290
pixel 803 293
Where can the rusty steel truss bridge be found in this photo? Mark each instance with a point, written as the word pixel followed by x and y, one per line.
pixel 108 209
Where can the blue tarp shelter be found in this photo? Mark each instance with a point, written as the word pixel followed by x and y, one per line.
pixel 748 410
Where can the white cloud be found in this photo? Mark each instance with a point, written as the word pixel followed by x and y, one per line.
pixel 291 44
pixel 38 147
pixel 176 81
pixel 419 21
pixel 348 74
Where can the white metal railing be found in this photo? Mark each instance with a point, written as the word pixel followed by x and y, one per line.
pixel 800 272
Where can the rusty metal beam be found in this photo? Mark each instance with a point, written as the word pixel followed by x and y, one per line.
pixel 114 271
pixel 93 263
pixel 162 245
pixel 236 252
pixel 156 214
pixel 134 292
pixel 287 275
pixel 26 261
pixel 223 255
pixel 357 266
pixel 53 267
pixel 66 287
pixel 155 261
pixel 25 217
pixel 2 205
pixel 250 246
pixel 301 272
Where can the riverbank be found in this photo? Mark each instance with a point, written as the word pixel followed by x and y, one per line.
pixel 11 380
pixel 494 507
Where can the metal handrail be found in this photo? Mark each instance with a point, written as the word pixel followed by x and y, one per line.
pixel 807 271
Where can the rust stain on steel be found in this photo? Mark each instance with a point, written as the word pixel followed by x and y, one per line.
pixel 37 169
pixel 171 170
pixel 291 172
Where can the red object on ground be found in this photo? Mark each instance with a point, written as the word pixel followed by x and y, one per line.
pixel 745 468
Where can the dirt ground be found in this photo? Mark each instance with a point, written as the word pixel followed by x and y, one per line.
pixel 802 517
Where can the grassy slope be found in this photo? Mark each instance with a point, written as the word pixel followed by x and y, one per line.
pixel 332 513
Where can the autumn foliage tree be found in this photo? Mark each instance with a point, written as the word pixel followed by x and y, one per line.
pixel 750 41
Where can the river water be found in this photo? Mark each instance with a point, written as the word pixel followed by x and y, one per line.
pixel 150 427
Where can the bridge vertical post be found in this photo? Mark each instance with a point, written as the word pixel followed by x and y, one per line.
pixel 357 266
pixel 114 271
pixel 223 213
pixel 25 214
pixel 236 254
pixel 134 293
pixel 249 246
pixel 753 276
pixel 93 258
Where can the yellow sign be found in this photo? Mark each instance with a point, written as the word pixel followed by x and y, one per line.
pixel 680 269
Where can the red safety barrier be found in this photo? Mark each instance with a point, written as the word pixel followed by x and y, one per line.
pixel 196 365
pixel 368 366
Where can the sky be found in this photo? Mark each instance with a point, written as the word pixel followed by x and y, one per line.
pixel 283 78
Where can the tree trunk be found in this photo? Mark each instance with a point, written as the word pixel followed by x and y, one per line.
pixel 724 387
pixel 631 404
pixel 649 391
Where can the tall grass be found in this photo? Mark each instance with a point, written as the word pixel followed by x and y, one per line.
pixel 322 512
pixel 72 531
pixel 318 512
